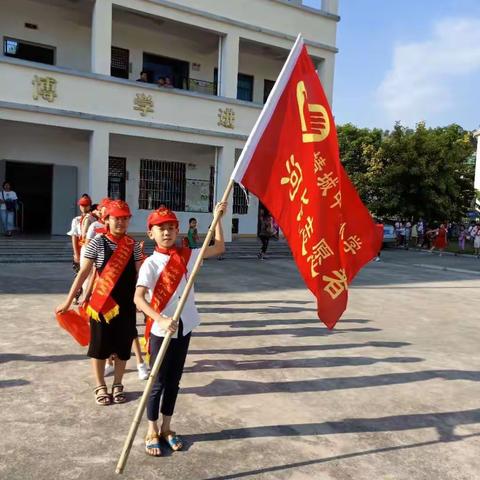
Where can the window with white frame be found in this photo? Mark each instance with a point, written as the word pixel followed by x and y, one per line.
pixel 161 182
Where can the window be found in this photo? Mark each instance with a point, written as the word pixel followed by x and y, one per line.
pixel 240 199
pixel 33 52
pixel 245 87
pixel 162 182
pixel 120 62
pixel 267 88
pixel 117 173
pixel 157 67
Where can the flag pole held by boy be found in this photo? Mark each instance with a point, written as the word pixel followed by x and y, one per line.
pixel 291 163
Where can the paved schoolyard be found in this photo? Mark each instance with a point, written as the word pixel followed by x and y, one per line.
pixel 391 394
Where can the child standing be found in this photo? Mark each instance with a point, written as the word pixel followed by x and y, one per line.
pixel 161 282
pixel 193 238
pixel 78 233
pixel 117 258
pixel 462 235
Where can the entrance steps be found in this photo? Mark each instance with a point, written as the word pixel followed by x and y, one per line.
pixel 57 249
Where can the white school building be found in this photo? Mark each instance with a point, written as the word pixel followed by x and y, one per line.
pixel 74 118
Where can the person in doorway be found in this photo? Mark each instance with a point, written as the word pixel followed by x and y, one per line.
pixel 161 281
pixel 117 258
pixel 265 233
pixel 193 238
pixel 168 82
pixel 161 82
pixel 78 233
pixel 8 208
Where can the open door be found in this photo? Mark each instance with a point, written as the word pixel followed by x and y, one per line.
pixel 64 198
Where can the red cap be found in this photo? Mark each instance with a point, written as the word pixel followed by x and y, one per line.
pixel 104 202
pixel 84 201
pixel 161 215
pixel 118 208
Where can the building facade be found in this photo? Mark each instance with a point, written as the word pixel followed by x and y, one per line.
pixel 75 117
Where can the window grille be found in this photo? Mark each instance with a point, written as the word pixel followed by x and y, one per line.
pixel 240 200
pixel 212 189
pixel 120 62
pixel 162 182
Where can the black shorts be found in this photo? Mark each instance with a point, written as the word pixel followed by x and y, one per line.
pixel 111 338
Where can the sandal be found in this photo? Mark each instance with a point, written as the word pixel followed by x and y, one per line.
pixel 152 442
pixel 173 440
pixel 117 393
pixel 102 397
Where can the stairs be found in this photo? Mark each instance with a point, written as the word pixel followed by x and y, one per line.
pixel 57 249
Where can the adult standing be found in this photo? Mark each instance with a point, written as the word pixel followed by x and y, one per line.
pixel 8 208
pixel 265 233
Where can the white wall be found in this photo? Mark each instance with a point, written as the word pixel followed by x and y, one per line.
pixel 67 29
pixel 25 142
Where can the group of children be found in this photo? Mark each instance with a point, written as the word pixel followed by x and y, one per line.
pixel 116 280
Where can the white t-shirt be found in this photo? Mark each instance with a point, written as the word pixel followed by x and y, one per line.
pixel 91 229
pixel 10 195
pixel 75 228
pixel 147 277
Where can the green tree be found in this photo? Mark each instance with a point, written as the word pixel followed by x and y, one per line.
pixel 421 172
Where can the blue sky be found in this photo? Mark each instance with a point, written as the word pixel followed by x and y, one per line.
pixel 407 60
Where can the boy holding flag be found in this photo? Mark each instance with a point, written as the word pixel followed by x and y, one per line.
pixel 161 282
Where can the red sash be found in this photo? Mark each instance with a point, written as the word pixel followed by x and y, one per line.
pixel 168 280
pixel 102 229
pixel 81 238
pixel 101 301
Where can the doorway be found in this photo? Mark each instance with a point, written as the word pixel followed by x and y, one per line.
pixel 158 67
pixel 33 184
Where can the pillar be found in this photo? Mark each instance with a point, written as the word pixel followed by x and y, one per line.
pixel 229 46
pixel 98 164
pixel 224 163
pixel 101 37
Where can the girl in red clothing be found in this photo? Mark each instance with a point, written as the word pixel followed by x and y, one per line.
pixel 441 240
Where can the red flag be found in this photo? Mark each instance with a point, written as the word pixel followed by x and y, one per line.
pixel 291 163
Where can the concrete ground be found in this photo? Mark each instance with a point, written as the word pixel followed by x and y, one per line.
pixel 391 394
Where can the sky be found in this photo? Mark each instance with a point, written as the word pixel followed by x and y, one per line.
pixel 407 61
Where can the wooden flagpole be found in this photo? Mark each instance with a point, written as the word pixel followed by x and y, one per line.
pixel 161 354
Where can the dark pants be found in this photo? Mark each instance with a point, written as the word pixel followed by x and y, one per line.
pixel 168 378
pixel 265 241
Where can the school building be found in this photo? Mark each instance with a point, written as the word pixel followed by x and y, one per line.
pixel 75 118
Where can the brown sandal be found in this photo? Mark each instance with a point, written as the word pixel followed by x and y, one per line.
pixel 118 394
pixel 152 441
pixel 102 397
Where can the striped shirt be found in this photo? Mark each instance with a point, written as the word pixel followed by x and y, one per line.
pixel 95 250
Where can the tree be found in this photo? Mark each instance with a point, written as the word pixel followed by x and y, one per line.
pixel 421 172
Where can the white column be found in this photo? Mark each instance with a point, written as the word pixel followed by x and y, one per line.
pixel 228 65
pixel 102 36
pixel 98 164
pixel 476 182
pixel 330 6
pixel 325 70
pixel 225 161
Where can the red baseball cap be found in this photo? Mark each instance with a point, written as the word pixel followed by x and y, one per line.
pixel 84 201
pixel 104 202
pixel 161 215
pixel 118 208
